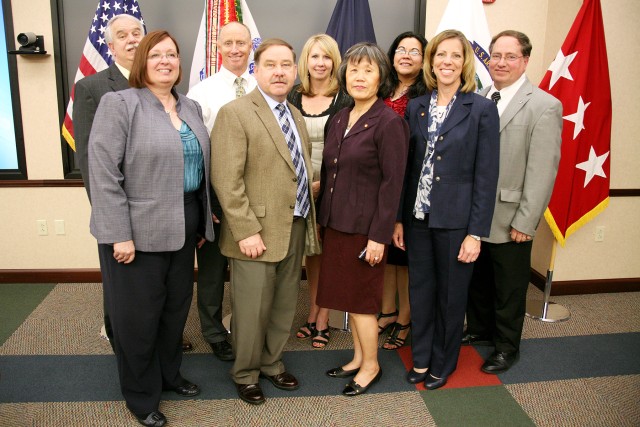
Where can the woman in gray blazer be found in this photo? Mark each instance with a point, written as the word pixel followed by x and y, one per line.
pixel 149 170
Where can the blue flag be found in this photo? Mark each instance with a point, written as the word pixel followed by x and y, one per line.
pixel 351 23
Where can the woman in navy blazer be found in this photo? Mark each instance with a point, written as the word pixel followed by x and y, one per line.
pixel 149 169
pixel 448 201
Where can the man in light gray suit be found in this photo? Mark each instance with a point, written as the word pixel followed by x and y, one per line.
pixel 530 137
pixel 122 34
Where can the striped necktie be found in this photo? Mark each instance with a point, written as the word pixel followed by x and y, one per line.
pixel 237 83
pixel 302 193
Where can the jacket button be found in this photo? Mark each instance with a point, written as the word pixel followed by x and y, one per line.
pixel 331 189
pixel 292 206
pixel 438 158
pixel 334 176
pixel 295 179
pixel 335 160
pixel 440 138
pixel 437 178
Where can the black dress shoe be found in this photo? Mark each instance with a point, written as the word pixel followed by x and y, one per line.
pixel 500 362
pixel 186 345
pixel 250 393
pixel 354 389
pixel 222 350
pixel 153 419
pixel 473 339
pixel 283 381
pixel 432 383
pixel 414 377
pixel 341 373
pixel 187 389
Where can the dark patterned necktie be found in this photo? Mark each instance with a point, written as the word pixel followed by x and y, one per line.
pixel 495 96
pixel 302 193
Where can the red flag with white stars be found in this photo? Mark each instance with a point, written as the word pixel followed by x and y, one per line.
pixel 579 78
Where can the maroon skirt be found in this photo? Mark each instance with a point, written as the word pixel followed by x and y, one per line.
pixel 347 283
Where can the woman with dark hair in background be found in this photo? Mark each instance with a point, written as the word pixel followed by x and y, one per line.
pixel 149 169
pixel 363 167
pixel 318 97
pixel 405 54
pixel 448 201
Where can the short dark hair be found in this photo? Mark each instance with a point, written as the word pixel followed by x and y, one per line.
pixel 266 44
pixel 418 87
pixel 372 53
pixel 525 43
pixel 138 77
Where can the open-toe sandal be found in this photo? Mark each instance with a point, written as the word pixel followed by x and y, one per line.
pixel 382 329
pixel 320 339
pixel 393 338
pixel 303 334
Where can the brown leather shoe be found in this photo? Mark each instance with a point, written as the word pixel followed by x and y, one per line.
pixel 186 345
pixel 250 393
pixel 283 381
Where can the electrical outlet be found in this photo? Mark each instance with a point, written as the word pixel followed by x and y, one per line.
pixel 59 225
pixel 42 228
pixel 599 237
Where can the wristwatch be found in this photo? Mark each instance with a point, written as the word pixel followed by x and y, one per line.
pixel 473 236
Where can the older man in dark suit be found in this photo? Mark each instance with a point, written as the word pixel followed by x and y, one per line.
pixel 530 137
pixel 122 34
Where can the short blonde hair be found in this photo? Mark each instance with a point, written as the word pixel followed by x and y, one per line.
pixel 468 66
pixel 330 47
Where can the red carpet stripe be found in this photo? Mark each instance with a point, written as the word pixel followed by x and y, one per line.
pixel 468 373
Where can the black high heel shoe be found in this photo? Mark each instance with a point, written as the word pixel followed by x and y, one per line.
pixel 341 373
pixel 382 329
pixel 414 377
pixel 354 389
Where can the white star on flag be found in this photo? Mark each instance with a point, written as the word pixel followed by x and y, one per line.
pixel 578 117
pixel 104 18
pixel 593 166
pixel 560 67
pixel 106 6
pixel 116 6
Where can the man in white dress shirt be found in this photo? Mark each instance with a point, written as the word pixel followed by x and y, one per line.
pixel 230 82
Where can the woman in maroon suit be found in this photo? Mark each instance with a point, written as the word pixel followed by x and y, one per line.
pixel 363 167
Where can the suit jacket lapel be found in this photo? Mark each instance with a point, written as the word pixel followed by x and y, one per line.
pixel 271 124
pixel 459 111
pixel 518 101
pixel 116 80
pixel 369 116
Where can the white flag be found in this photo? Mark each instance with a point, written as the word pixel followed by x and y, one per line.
pixel 468 16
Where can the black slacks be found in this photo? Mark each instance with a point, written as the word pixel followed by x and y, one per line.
pixel 148 302
pixel 438 286
pixel 498 293
pixel 212 269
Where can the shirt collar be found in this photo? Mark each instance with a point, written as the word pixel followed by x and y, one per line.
pixel 123 70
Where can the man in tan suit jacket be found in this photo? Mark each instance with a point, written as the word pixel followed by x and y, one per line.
pixel 530 137
pixel 268 216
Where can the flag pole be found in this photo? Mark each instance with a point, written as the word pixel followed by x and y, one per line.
pixel 545 310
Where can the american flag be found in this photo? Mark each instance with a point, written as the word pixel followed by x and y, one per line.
pixel 95 54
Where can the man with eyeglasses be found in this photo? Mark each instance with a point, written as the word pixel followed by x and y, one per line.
pixel 530 137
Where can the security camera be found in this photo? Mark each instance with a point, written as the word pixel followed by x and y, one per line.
pixel 29 43
pixel 26 39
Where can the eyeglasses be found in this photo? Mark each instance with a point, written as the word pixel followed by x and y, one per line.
pixel 412 52
pixel 171 56
pixel 508 58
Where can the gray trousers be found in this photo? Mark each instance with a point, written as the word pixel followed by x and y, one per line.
pixel 264 297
